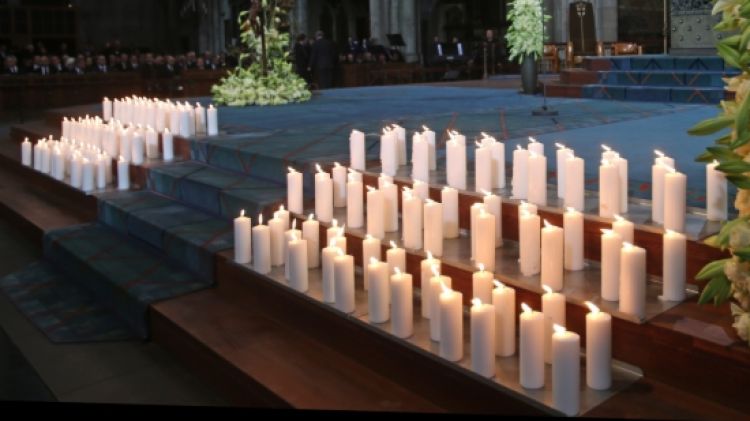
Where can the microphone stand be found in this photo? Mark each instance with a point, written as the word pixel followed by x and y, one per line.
pixel 544 111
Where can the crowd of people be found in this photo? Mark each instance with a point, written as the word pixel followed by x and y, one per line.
pixel 38 60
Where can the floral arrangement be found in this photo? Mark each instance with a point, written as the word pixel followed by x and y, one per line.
pixel 247 85
pixel 526 31
pixel 729 279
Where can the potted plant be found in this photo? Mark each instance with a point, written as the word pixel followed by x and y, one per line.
pixel 525 38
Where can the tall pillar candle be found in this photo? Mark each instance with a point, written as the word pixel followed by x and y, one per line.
pixel 167 142
pixel 311 233
pixel 553 246
pixel 212 117
pixel 674 261
pixel 610 283
pixel 339 185
pixel 485 240
pixel 375 219
pixel 201 123
pixel 433 227
pixel 429 136
pixel 420 158
pixel 449 200
pixel 152 143
pixel 328 255
pixel 574 183
pixel 566 371
pixel 473 214
pixel 426 272
pixel 137 147
pixel 402 305
pixel 123 174
pixel 242 239
pixel 530 244
pixel 262 250
pixel 624 228
pixel 297 261
pixel 412 214
pixel 482 169
pixel 451 324
pixel 401 142
pixel 535 146
pixel 76 171
pixel 609 189
pixel 377 293
pixel 88 176
pixel 396 258
pixel 421 189
pixel 390 207
pixel 277 229
pixel 494 205
pixel 343 275
pixel 520 173
pixel 26 152
pixel 562 155
pixel 573 232
pixel 633 280
pixel 106 109
pixel 658 170
pixel 437 281
pixel 58 164
pixel 357 150
pixel 294 191
pixel 531 348
pixel 371 249
pixel 323 196
pixel 675 193
pixel 537 176
pixel 553 307
pixel 481 282
pixel 498 165
pixel 389 153
pixel 716 193
pixel 504 302
pixel 482 338
pixel 598 349
pixel 355 201
pixel 455 156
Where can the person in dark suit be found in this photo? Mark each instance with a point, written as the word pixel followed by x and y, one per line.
pixel 101 65
pixel 323 60
pixel 11 66
pixel 302 57
pixel 55 65
pixel 170 68
pixel 43 69
pixel 457 49
pixel 437 53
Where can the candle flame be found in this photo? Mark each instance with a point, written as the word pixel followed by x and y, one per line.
pixel 671 170
pixel 532 140
pixel 445 288
pixel 242 213
pixel 715 161
pixel 487 193
pixel 547 289
pixel 373 260
pixel 291 170
pixel 570 209
pixel 340 253
pixel 607 231
pixel 547 224
pixel 294 225
pixel 352 171
pixel 659 154
pixel 430 201
pixel 319 169
pixel 371 189
pixel 526 308
pixel 294 236
pixel 628 245
pixel 448 189
pixel 619 218
pixel 435 271
pixel 498 284
pixel 260 219
pixel 476 302
pixel 481 267
pixel 393 245
pixel 397 271
pixel 519 147
pixel 336 164
pixel 606 148
pixel 334 223
pixel 281 208
pixel 368 237
pixel 479 145
pixel 342 230
pixel 332 243
pixel 429 255
pixel 594 309
pixel 560 146
pixel 311 217
pixel 558 328
pixel 425 128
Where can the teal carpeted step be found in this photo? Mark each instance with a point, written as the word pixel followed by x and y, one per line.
pixel 664 78
pixel 123 276
pixel 654 93
pixel 189 237
pixel 218 192
pixel 657 62
pixel 64 310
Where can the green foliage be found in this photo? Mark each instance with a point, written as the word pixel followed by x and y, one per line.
pixel 524 35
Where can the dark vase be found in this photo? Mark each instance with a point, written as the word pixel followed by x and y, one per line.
pixel 528 74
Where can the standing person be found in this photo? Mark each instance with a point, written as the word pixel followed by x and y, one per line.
pixel 323 60
pixel 302 57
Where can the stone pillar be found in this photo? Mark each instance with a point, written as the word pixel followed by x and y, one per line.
pixel 377 20
pixel 300 18
pixel 410 30
pixel 606 20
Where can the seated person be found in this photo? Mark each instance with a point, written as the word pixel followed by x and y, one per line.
pixel 11 66
pixel 457 49
pixel 437 52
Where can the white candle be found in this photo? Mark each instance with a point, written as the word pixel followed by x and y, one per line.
pixel 520 173
pixel 335 235
pixel 284 215
pixel 482 338
pixel 674 260
pixel 436 288
pixel 536 147
pixel 46 157
pixel 609 189
pixel 598 349
pixel 401 141
pixel 622 166
pixel 485 240
pixel 633 280
pixel 294 192
pixel 716 193
pixel 343 275
pixel 658 170
pixel 624 228
pixel 327 257
pixel 106 109
pixel 396 258
pixel 402 305
pixel 563 153
pixel 58 164
pixel 137 148
pixel 123 174
pixel 573 231
pixel 37 153
pixel 357 150
pixel 451 324
pixel 389 152
pixel 553 307
pixel 125 143
pixel 537 177
pixel 339 185
pixel 277 229
pixel 323 195
pixel 425 274
pixel 297 261
pixel 498 164
pixel 371 249
pixel 167 141
pixel 553 245
pixel 101 171
pixel 456 163
pixel 420 158
pixel 433 227
pixel 390 207
pixel 504 302
pixel 291 235
pixel 574 183
pixel 481 282
pixel 262 250
pixel 611 245
pixel 152 143
pixel 429 135
pixel 530 244
pixel 213 121
pixel 88 177
pixel 355 200
pixel 494 205
pixel 242 239
pixel 375 220
pixel 26 152
pixel 482 168
pixel 201 123
pixel 76 171
pixel 531 348
pixel 377 294
pixel 473 214
pixel 566 371
pixel 449 200
pixel 412 213
pixel 675 193
pixel 421 189
pixel 311 233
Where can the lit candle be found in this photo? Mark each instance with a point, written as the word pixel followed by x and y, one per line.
pixel 553 307
pixel 123 174
pixel 530 244
pixel 87 175
pixel 675 192
pixel 390 207
pixel 289 236
pixel 101 170
pixel 598 349
pixel 375 220
pixel 624 228
pixel 200 120
pixel 401 141
pixel 482 168
pixel 622 171
pixel 37 153
pixel 396 258
pixel 473 215
pixel 611 245
pixel 716 193
pixel 213 121
pixel 451 324
pixel 167 141
pixel 412 214
pixel 377 294
pixel 504 301
pixel 566 370
pixel 294 193
pixel 573 231
pixel 277 229
pixel 355 200
pixel 402 305
pixel 574 183
pixel 563 153
pixel 284 215
pixel 421 189
pixel 658 170
pixel 520 173
pixel 429 135
pixel 26 152
pixel 297 262
pixel 425 274
pixel 152 143
pixel 433 227
pixel 58 164
pixel 327 257
pixel 337 236
pixel 106 109
pixel 46 157
pixel 389 152
pixel 343 275
pixel 455 162
pixel 242 239
pixel 436 287
pixel 333 231
pixel 323 195
pixel 339 185
pixel 553 245
pixel 482 284
pixel 420 158
pixel 76 171
pixel 125 140
pixel 482 338
pixel 609 189
pixel 485 240
pixel 531 348
pixel 357 150
pixel 311 233
pixel 449 200
pixel 674 260
pixel 262 250
pixel 137 146
pixel 633 280
pixel 371 249
pixel 498 163
pixel 494 205
pixel 537 177
pixel 535 146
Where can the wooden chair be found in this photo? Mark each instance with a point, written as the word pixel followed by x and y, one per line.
pixel 626 49
pixel 550 55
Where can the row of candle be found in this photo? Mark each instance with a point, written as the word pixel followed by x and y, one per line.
pixel 529 177
pixel 182 118
pixel 390 298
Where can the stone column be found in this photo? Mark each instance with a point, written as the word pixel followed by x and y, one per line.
pixel 606 20
pixel 377 20
pixel 409 30
pixel 300 20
